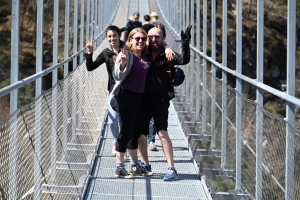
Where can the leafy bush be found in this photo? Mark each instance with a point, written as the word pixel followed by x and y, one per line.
pixel 4 12
pixel 28 95
pixel 5 39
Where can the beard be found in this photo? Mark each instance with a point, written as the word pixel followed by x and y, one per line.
pixel 154 47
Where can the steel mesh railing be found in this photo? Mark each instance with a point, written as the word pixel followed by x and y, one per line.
pixel 49 145
pixel 69 121
pixel 241 148
pixel 274 148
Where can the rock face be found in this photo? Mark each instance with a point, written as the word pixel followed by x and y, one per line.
pixel 275 47
pixel 27 47
pixel 275 33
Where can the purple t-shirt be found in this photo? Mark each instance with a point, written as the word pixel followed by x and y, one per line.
pixel 136 78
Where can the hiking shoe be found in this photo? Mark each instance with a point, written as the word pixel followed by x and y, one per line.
pixel 138 170
pixel 148 168
pixel 113 149
pixel 121 172
pixel 171 174
pixel 152 147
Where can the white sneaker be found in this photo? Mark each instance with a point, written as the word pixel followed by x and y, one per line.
pixel 152 147
pixel 113 149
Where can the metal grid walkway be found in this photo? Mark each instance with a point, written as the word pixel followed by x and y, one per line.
pixel 104 186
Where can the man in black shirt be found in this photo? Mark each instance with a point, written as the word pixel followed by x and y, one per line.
pixel 132 24
pixel 147 25
pixel 158 92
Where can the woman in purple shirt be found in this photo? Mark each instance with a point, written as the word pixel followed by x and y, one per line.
pixel 130 73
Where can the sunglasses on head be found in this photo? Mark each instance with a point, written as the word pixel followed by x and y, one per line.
pixel 140 38
pixel 153 36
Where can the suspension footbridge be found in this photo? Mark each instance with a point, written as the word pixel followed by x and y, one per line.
pixel 226 146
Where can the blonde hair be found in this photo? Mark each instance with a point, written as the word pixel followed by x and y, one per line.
pixel 128 45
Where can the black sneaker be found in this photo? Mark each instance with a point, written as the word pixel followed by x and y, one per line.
pixel 138 170
pixel 148 168
pixel 121 172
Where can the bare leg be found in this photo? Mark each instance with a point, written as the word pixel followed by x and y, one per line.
pixel 120 157
pixel 143 150
pixel 133 153
pixel 167 146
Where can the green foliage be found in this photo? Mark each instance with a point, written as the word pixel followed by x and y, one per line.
pixel 5 10
pixel 28 60
pixel 222 184
pixel 28 95
pixel 5 39
pixel 4 83
pixel 3 57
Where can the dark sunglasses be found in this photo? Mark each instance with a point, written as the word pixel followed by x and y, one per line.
pixel 153 36
pixel 140 38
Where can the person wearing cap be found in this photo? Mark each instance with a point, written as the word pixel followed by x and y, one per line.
pixel 154 16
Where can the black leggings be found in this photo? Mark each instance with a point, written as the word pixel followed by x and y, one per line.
pixel 130 120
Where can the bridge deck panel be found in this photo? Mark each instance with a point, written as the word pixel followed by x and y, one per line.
pixel 188 186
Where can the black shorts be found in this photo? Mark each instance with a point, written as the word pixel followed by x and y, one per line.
pixel 156 108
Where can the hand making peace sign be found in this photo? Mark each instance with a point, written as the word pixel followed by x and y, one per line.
pixel 89 45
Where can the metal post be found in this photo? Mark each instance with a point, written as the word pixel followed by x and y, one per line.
pixel 99 22
pixel 290 107
pixel 82 39
pixel 15 53
pixel 74 121
pixel 65 88
pixel 181 24
pixel 55 40
pixel 224 84
pixel 259 98
pixel 14 76
pixel 192 97
pixel 213 79
pixel 171 12
pixel 198 36
pixel 88 13
pixel 66 39
pixel 204 66
pixel 54 93
pixel 187 83
pixel 75 33
pixel 96 20
pixel 38 91
pixel 92 18
pixel 178 16
pixel 238 152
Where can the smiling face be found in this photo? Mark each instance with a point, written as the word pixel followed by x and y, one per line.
pixel 113 38
pixel 138 41
pixel 155 39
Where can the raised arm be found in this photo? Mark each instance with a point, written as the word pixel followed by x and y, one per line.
pixel 184 57
pixel 122 65
pixel 90 64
